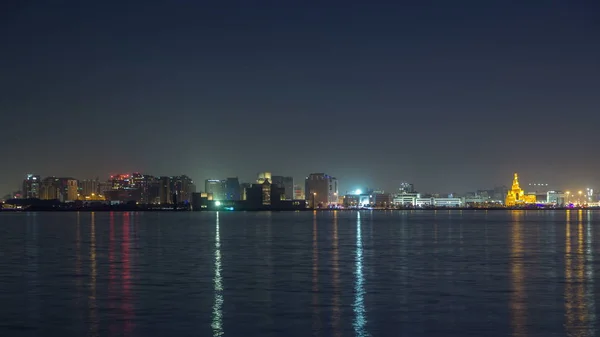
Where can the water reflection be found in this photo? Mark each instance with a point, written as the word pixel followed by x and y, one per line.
pixel 517 301
pixel 217 319
pixel 335 321
pixel 126 304
pixel 78 282
pixel 93 309
pixel 111 267
pixel 589 273
pixel 579 302
pixel 360 317
pixel 32 270
pixel 316 321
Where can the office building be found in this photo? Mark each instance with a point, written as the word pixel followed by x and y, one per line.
pixel 216 187
pixel 87 187
pixel 49 189
pixel 164 190
pixel 321 190
pixel 31 186
pixel 72 190
pixel 287 183
pixel 556 198
pixel 232 189
pixel 407 188
pixel 120 181
pixel 183 187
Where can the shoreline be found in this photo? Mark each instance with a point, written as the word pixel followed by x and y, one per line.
pixel 150 210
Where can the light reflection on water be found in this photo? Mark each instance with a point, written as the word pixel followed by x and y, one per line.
pixel 589 296
pixel 217 320
pixel 360 314
pixel 307 274
pixel 93 309
pixel 316 320
pixel 518 298
pixel 336 312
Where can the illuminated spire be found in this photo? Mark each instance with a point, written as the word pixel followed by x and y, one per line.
pixel 515 185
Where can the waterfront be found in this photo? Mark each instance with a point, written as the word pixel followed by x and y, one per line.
pixel 396 273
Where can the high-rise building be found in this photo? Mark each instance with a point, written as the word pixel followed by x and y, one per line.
pixel 143 183
pixel 321 190
pixel 72 190
pixel 407 188
pixel 87 187
pixel 216 187
pixel 120 181
pixel 263 176
pixel 103 187
pixel 244 187
pixel 31 186
pixel 49 189
pixel 287 183
pixel 63 189
pixel 183 186
pixel 164 190
pixel 232 189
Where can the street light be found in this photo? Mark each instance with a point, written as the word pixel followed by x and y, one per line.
pixel 314 198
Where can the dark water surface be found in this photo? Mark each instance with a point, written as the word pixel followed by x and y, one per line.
pixel 420 273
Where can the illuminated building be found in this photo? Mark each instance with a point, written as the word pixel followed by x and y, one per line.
pixel 382 199
pixel 120 181
pixel 71 190
pixel 263 176
pixel 406 199
pixel 216 187
pixel 63 189
pixel 244 187
pixel 49 189
pixel 147 187
pixel 555 197
pixel 298 193
pixel 517 196
pixel 407 188
pixel 31 187
pixel 88 187
pixel 183 186
pixel 287 183
pixel 321 190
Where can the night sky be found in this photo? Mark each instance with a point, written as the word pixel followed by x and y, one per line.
pixel 449 95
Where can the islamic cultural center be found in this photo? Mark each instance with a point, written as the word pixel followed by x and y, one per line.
pixel 516 196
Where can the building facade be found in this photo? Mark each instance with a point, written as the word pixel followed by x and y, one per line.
pixel 321 190
pixel 31 187
pixel 216 187
pixel 232 189
pixel 287 183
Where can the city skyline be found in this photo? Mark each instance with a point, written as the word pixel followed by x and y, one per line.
pixel 451 97
pixel 530 186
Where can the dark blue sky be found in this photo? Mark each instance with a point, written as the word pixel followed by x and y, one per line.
pixel 450 95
